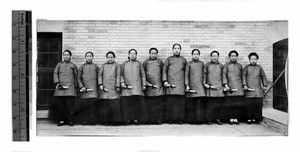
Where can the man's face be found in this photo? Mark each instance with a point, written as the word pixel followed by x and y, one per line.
pixel 214 57
pixel 176 50
pixel 153 54
pixel 233 57
pixel 89 57
pixel 195 55
pixel 66 56
pixel 110 58
pixel 132 55
pixel 253 60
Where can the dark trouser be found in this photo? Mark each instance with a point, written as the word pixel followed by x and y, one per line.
pixel 175 108
pixel 214 106
pixel 65 105
pixel 254 108
pixel 155 106
pixel 133 108
pixel 86 110
pixel 195 110
pixel 234 106
pixel 109 111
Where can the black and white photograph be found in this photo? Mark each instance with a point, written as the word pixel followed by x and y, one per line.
pixel 149 76
pixel 162 78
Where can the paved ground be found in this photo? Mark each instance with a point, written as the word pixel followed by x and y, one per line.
pixel 47 128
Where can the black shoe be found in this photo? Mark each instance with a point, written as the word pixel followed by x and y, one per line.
pixel 180 123
pixel 209 122
pixel 93 123
pixel 127 123
pixel 254 121
pixel 116 124
pixel 60 123
pixel 199 122
pixel 236 122
pixel 70 124
pixel 84 123
pixel 219 122
pixel 249 122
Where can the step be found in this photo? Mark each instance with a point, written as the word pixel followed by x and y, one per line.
pixel 42 114
pixel 275 119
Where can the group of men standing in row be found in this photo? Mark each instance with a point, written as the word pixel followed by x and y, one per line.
pixel 154 92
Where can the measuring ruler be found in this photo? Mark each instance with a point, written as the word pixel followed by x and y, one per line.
pixel 21 73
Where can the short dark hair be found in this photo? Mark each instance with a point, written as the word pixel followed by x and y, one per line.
pixel 195 50
pixel 233 51
pixel 253 54
pixel 70 53
pixel 132 50
pixel 214 52
pixel 153 49
pixel 88 53
pixel 175 45
pixel 110 52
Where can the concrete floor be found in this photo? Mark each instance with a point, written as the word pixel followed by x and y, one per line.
pixel 48 128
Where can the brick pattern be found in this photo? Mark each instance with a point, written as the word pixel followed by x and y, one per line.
pixel 120 36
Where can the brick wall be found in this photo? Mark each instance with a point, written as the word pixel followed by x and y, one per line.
pixel 81 36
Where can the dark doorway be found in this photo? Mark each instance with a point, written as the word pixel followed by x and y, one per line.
pixel 280 55
pixel 49 53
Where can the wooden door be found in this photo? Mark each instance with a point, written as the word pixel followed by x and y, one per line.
pixel 280 54
pixel 49 53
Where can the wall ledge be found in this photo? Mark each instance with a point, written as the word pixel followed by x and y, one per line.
pixel 275 119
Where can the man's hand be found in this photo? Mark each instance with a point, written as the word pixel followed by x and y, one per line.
pixel 166 84
pixel 227 87
pixel 118 90
pixel 57 85
pixel 187 88
pixel 264 89
pixel 206 86
pixel 83 89
pixel 123 85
